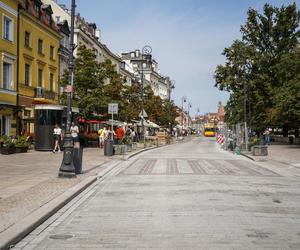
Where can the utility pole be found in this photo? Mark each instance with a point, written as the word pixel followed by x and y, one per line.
pixel 67 168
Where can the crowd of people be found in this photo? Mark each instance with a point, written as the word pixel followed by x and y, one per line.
pixel 117 136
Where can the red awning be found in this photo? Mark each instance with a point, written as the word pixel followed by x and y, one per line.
pixel 91 121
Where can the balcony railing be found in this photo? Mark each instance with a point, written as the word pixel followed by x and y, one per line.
pixel 43 93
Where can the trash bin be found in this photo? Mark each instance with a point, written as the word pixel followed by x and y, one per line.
pixel 291 140
pixel 108 148
pixel 77 159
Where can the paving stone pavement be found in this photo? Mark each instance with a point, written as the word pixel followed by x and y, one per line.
pixel 29 182
pixel 185 196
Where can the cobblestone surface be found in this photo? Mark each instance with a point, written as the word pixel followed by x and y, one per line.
pixel 29 181
pixel 186 196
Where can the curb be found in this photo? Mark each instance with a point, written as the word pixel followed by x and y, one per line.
pixel 248 156
pixel 146 149
pixel 19 230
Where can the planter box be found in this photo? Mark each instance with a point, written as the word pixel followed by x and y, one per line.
pixel 140 145
pixel 128 148
pixel 119 149
pixel 8 151
pixel 21 150
pixel 134 146
pixel 260 150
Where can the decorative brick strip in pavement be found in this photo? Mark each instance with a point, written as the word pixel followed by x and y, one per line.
pixel 196 167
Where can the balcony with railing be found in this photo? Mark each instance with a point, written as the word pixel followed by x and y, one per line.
pixel 42 93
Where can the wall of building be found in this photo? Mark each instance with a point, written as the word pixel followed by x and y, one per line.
pixel 8 54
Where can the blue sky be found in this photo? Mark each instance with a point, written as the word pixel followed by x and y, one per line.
pixel 187 37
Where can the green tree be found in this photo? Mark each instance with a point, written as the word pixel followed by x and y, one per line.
pixel 132 108
pixel 253 68
pixel 113 90
pixel 89 78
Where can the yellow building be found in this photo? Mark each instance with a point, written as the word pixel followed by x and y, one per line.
pixel 8 66
pixel 39 41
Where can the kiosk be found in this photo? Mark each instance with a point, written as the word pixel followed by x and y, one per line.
pixel 46 116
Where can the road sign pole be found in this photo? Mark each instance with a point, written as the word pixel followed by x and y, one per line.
pixel 112 122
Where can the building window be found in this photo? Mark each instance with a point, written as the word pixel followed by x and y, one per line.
pixel 27 39
pixel 51 82
pixel 7 76
pixel 40 78
pixel 7 30
pixel 57 19
pixel 52 52
pixel 27 74
pixel 40 46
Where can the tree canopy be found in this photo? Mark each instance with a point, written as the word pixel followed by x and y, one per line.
pixel 263 68
pixel 97 84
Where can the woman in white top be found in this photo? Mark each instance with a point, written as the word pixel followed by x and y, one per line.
pixel 74 133
pixel 57 137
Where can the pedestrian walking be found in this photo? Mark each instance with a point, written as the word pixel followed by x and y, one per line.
pixel 101 133
pixel 57 138
pixel 267 137
pixel 75 134
pixel 133 136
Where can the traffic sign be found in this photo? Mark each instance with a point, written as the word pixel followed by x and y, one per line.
pixel 143 114
pixel 113 108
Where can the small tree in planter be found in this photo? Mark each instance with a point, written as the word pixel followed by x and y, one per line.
pixel 21 144
pixel 127 141
pixel 8 146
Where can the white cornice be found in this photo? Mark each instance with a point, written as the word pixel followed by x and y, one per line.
pixel 8 9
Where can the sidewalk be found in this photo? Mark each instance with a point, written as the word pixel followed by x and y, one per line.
pixel 30 190
pixel 287 154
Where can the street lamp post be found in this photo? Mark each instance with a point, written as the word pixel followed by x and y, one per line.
pixel 170 87
pixel 67 168
pixel 245 116
pixel 145 51
pixel 189 106
pixel 183 99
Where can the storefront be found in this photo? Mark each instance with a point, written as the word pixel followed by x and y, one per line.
pixel 7 120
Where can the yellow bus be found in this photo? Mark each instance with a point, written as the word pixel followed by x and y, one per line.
pixel 209 130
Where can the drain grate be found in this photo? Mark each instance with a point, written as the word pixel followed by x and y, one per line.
pixel 61 236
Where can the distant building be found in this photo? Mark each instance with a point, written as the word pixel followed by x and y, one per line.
pixel 89 35
pixel 148 66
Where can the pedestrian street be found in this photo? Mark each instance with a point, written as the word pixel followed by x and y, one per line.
pixel 189 195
